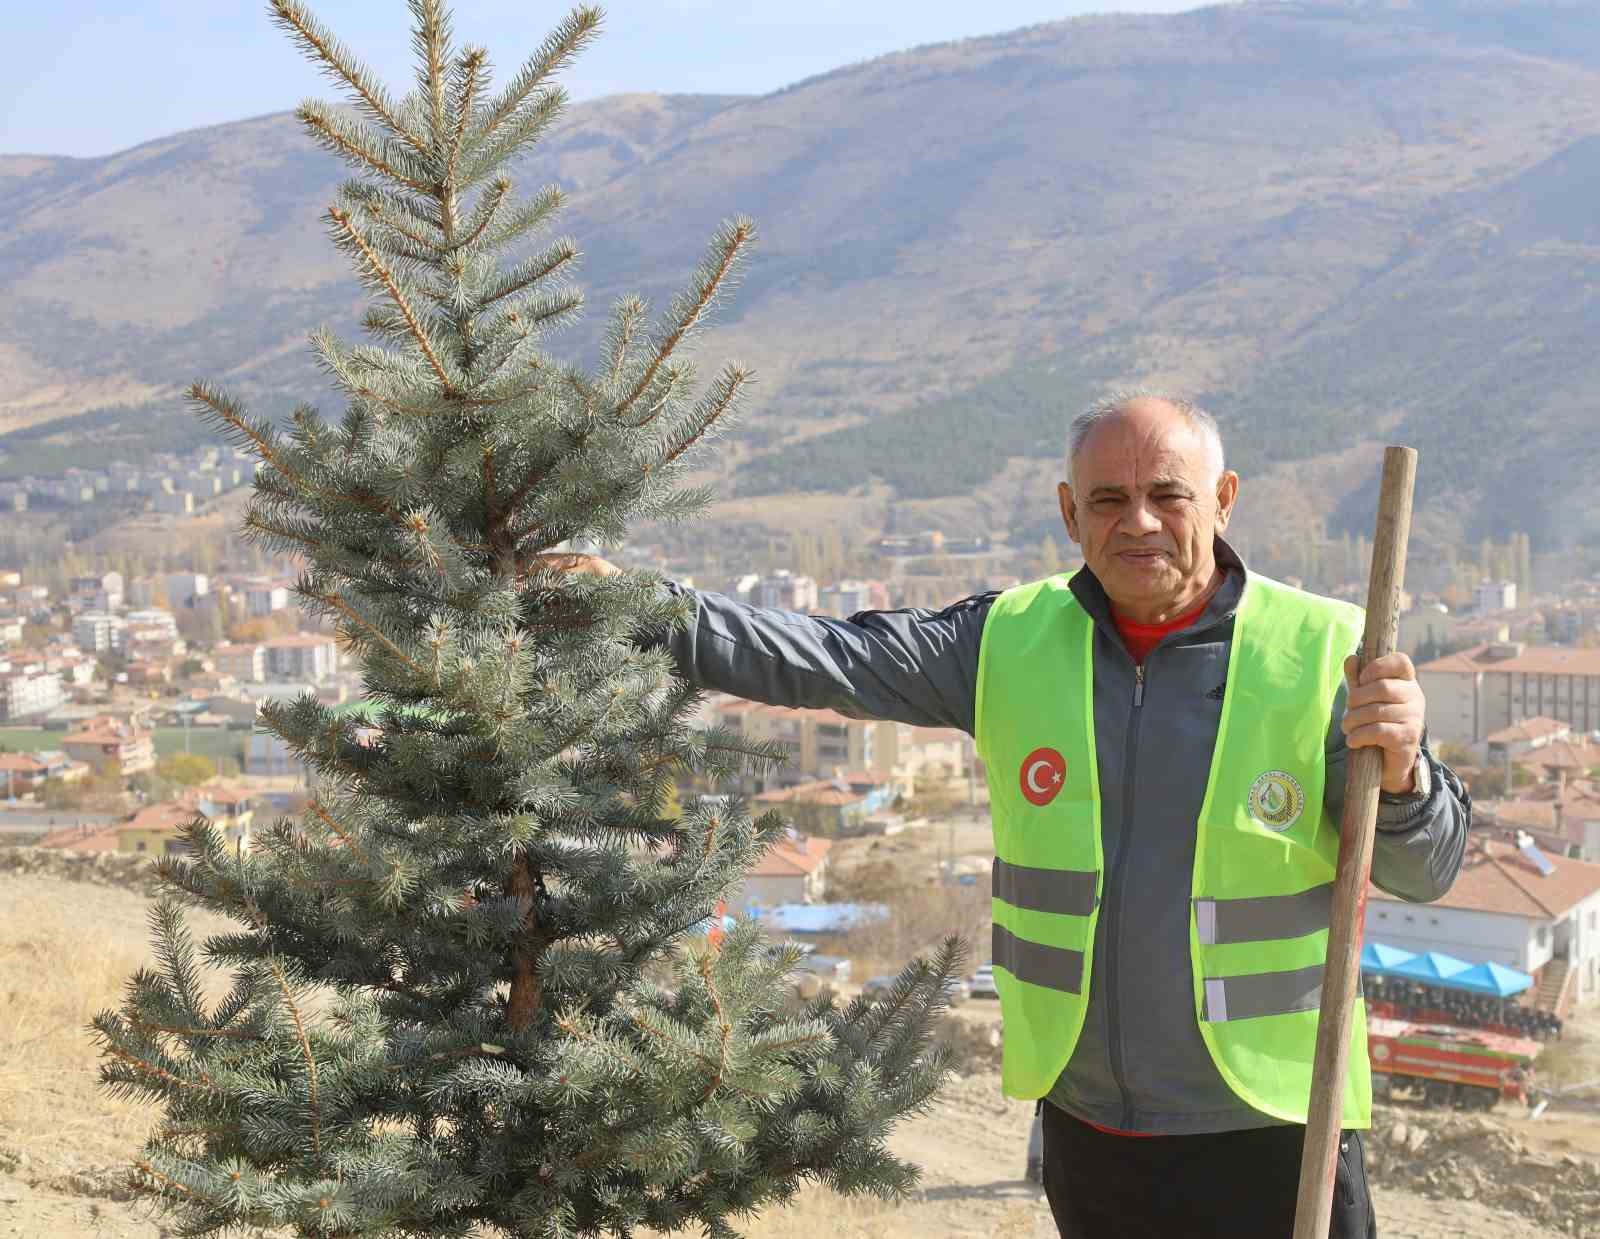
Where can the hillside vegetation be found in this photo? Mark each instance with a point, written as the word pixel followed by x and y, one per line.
pixel 1335 220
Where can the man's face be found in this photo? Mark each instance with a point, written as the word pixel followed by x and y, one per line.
pixel 1144 504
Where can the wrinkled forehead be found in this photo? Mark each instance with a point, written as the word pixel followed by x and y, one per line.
pixel 1140 450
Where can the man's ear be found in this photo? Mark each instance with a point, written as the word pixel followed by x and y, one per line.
pixel 1069 510
pixel 1227 494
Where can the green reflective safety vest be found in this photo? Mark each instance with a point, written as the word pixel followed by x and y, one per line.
pixel 1265 848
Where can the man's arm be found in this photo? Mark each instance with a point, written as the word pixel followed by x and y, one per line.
pixel 1420 840
pixel 909 666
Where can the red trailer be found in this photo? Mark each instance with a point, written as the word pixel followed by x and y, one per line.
pixel 1446 1066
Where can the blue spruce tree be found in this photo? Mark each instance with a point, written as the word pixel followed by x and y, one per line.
pixel 467 992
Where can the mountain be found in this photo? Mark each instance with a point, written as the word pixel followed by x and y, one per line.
pixel 1339 221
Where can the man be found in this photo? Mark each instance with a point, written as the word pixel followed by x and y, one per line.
pixel 1165 736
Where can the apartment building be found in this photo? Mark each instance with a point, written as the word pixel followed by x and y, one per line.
pixel 304 656
pixel 818 742
pixel 1493 686
pixel 28 689
pixel 263 597
pixel 246 663
pixel 104 740
pixel 96 631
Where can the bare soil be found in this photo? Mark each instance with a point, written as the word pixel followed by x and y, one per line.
pixel 66 948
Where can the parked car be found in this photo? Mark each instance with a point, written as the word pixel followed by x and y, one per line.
pixel 982 983
pixel 877 987
pixel 958 990
pixel 833 968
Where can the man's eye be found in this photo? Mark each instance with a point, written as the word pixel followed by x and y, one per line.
pixel 1107 502
pixel 1171 497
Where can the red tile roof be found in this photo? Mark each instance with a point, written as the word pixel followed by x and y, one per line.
pixel 1529 729
pixel 1459 662
pixel 822 792
pixel 103 729
pixel 1561 755
pixel 82 839
pixel 222 793
pixel 1534 660
pixel 168 815
pixel 1535 809
pixel 825 791
pixel 790 858
pixel 1496 877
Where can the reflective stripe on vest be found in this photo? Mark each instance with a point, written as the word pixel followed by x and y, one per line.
pixel 1264 849
pixel 1069 891
pixel 1263 993
pixel 1052 967
pixel 1264 917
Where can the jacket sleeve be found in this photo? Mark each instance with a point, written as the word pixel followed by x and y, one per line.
pixel 1420 841
pixel 908 666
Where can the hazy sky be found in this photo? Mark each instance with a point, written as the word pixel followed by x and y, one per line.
pixel 90 77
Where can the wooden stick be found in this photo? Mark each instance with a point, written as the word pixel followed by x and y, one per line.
pixel 1363 774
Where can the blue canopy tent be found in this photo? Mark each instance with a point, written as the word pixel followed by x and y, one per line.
pixel 1377 957
pixel 1431 968
pixel 1491 978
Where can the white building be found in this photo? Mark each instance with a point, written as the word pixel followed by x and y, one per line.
pixel 263 598
pixel 28 690
pixel 97 632
pixel 1506 909
pixel 1494 596
pixel 786 591
pixel 846 598
pixel 306 656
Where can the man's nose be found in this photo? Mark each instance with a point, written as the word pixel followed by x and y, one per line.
pixel 1141 518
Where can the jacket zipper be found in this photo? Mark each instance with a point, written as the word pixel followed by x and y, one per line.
pixel 1114 929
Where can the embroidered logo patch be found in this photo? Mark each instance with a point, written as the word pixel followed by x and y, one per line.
pixel 1043 773
pixel 1277 800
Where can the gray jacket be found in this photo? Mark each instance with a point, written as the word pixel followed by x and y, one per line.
pixel 1140 1064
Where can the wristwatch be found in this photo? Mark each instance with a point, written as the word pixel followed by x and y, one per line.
pixel 1422 783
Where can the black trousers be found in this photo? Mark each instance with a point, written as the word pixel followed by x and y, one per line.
pixel 1237 1184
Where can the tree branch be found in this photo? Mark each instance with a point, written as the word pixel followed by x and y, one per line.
pixel 737 239
pixel 386 277
pixel 312 37
pixel 305 1049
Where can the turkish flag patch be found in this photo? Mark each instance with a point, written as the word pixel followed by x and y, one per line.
pixel 1043 773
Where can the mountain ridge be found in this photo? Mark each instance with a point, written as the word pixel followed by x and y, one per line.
pixel 1268 204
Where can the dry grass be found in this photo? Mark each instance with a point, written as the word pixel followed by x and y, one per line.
pixel 66 951
pixel 821 1212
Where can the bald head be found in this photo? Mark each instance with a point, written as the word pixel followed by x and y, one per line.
pixel 1150 414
